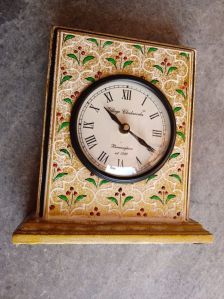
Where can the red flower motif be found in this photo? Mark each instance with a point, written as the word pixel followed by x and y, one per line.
pixel 55 165
pixel 120 53
pixel 68 193
pixel 80 48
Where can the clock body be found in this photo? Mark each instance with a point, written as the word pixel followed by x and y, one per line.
pixel 115 163
pixel 122 128
pixel 118 130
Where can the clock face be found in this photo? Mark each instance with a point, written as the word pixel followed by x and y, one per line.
pixel 122 128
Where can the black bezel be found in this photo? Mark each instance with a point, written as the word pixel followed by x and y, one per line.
pixel 74 136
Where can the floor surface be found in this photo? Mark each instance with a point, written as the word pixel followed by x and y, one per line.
pixel 107 272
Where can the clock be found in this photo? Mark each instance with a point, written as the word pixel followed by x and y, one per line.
pixel 116 151
pixel 122 128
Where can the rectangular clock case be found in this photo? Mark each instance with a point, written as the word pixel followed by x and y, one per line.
pixel 72 203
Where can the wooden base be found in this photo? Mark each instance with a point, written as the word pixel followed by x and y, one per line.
pixel 38 231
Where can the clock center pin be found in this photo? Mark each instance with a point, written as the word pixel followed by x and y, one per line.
pixel 125 128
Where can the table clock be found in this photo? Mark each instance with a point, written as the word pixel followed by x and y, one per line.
pixel 116 150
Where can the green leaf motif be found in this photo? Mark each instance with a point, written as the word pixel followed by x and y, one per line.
pixel 176 176
pixel 68 36
pixel 182 135
pixel 80 197
pixel 73 56
pixel 67 100
pixel 128 62
pixel 184 55
pixel 155 197
pixel 154 81
pixel 63 125
pixel 107 43
pixel 112 60
pixel 169 197
pixel 87 58
pixel 63 197
pixel 176 109
pixel 138 47
pixel 103 182
pixel 171 69
pixel 127 199
pixel 60 175
pixel 158 67
pixel 153 176
pixel 90 79
pixel 180 91
pixel 65 151
pixel 92 181
pixel 152 50
pixel 174 155
pixel 93 40
pixel 113 199
pixel 65 78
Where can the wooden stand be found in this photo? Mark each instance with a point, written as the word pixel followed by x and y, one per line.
pixel 38 231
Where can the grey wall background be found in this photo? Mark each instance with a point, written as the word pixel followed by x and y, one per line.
pixel 154 271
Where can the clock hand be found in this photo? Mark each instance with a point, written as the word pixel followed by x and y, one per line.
pixel 126 129
pixel 142 142
pixel 114 117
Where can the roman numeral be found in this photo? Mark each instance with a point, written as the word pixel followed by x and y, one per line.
pixel 156 133
pixel 108 96
pixel 139 162
pixel 91 141
pixel 88 125
pixel 144 101
pixel 120 163
pixel 126 94
pixel 95 108
pixel 103 157
pixel 154 115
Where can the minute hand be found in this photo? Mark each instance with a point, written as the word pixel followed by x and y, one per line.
pixel 142 142
pixel 113 117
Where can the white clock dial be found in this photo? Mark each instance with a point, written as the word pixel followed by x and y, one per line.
pixel 122 127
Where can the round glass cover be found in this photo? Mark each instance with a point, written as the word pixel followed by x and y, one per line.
pixel 122 128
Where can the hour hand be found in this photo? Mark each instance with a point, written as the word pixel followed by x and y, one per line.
pixel 113 117
pixel 142 142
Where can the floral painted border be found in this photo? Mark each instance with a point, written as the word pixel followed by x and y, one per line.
pixel 72 191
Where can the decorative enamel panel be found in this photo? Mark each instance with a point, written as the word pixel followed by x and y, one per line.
pixel 71 191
